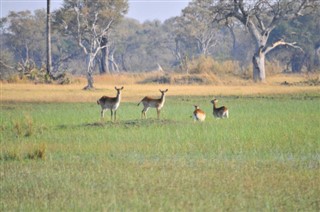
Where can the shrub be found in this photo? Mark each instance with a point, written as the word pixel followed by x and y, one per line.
pixel 201 65
pixel 39 153
pixel 274 67
pixel 206 64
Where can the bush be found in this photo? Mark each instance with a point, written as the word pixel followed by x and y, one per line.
pixel 201 65
pixel 206 64
pixel 274 67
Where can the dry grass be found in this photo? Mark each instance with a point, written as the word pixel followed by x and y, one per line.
pixel 134 91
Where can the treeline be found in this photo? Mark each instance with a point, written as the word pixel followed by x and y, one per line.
pixel 126 45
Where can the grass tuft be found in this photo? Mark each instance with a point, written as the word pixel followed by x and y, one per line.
pixel 29 126
pixel 39 153
pixel 9 156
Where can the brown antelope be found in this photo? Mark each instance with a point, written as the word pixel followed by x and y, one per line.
pixel 155 103
pixel 219 112
pixel 198 114
pixel 110 103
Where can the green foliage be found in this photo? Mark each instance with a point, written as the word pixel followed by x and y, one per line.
pixel 137 47
pixel 25 36
pixel 264 157
pixel 304 30
pixel 6 64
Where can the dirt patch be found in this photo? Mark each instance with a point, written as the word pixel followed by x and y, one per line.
pixel 131 123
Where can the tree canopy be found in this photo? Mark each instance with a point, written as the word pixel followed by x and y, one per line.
pixel 94 37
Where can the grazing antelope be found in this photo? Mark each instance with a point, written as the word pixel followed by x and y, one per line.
pixel 110 103
pixel 198 114
pixel 219 112
pixel 155 103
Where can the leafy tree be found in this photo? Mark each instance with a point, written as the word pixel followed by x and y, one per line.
pixel 180 43
pixel 141 47
pixel 24 35
pixel 260 18
pixel 307 29
pixel 90 23
pixel 6 64
pixel 125 44
pixel 197 23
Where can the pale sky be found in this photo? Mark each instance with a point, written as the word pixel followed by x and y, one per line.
pixel 141 10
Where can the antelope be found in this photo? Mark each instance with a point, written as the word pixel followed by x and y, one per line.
pixel 110 103
pixel 153 103
pixel 219 112
pixel 198 114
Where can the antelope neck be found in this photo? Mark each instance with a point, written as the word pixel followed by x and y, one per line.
pixel 162 97
pixel 118 95
pixel 214 106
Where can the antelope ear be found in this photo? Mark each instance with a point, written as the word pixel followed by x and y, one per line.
pixel 122 88
pixel 115 87
pixel 167 90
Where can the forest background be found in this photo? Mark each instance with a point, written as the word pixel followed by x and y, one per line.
pixel 194 43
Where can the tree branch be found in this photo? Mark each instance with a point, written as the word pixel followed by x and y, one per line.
pixel 5 65
pixel 94 24
pixel 106 29
pixel 76 9
pixel 280 43
pixel 261 24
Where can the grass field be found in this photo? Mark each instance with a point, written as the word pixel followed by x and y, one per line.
pixel 58 155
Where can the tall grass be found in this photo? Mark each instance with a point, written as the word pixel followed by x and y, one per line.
pixel 266 156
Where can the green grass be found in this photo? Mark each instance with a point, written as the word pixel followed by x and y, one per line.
pixel 266 156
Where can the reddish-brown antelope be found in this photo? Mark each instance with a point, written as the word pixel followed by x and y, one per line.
pixel 219 112
pixel 154 103
pixel 110 103
pixel 198 114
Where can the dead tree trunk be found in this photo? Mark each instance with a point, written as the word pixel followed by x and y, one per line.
pixel 259 72
pixel 112 63
pixel 49 56
pixel 90 68
pixel 104 56
pixel 259 57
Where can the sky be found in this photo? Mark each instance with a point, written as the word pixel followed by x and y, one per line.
pixel 141 10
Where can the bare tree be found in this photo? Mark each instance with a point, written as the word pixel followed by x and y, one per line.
pixel 90 22
pixel 260 17
pixel 197 22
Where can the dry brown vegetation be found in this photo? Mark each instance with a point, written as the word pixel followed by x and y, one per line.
pixel 135 89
